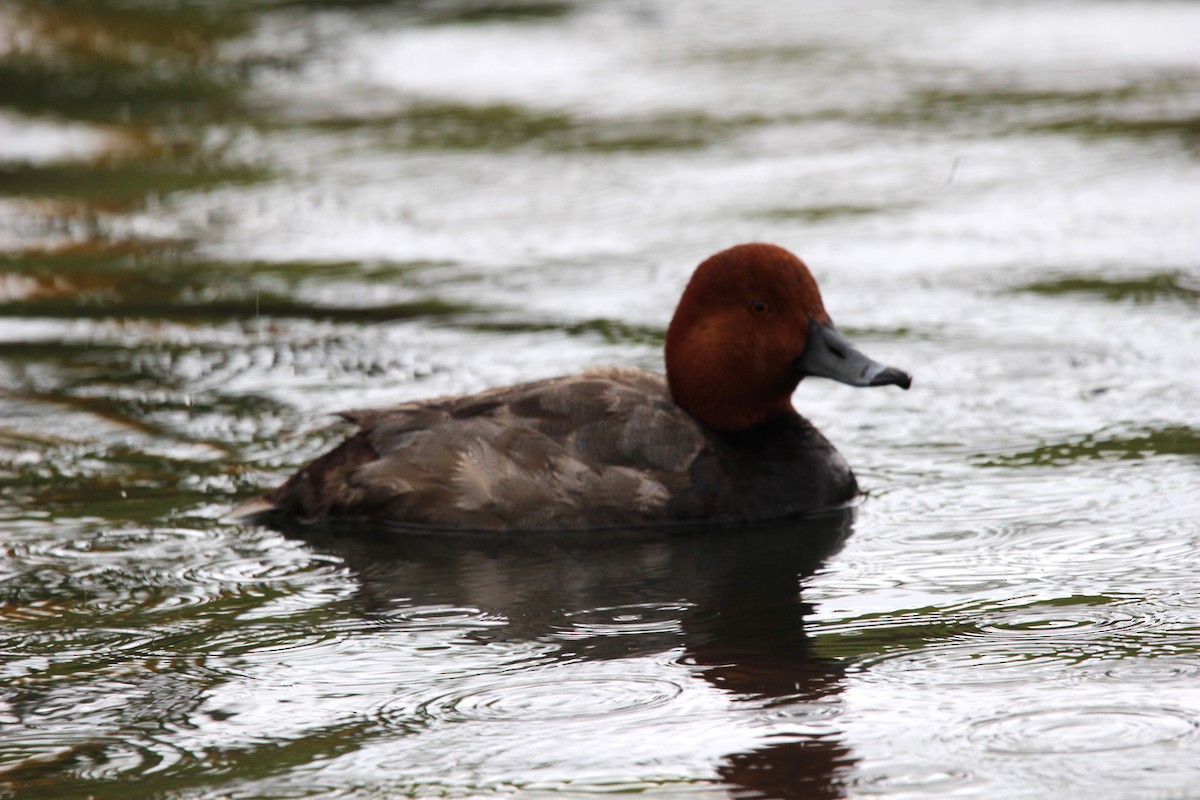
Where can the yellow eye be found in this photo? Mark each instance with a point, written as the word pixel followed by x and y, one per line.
pixel 759 307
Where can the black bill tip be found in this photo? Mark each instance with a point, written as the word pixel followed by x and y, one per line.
pixel 891 376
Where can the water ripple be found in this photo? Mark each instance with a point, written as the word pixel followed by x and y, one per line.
pixel 631 619
pixel 557 699
pixel 802 712
pixel 1061 639
pixel 1060 731
pixel 1161 669
pixel 115 574
pixel 76 643
pixel 29 757
pixel 439 617
pixel 908 778
pixel 1057 620
pixel 973 664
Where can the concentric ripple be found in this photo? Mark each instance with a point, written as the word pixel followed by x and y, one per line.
pixel 631 619
pixel 33 757
pixel 164 573
pixel 1156 670
pixel 973 663
pixel 558 699
pixel 803 713
pixel 1064 639
pixel 908 778
pixel 1060 620
pixel 1059 731
pixel 435 617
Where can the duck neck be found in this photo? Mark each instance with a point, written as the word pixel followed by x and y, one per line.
pixel 727 397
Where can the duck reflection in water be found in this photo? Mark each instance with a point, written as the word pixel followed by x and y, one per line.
pixel 734 596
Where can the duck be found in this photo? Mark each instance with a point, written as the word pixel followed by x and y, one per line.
pixel 716 440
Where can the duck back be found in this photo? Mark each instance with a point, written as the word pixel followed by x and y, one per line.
pixel 607 448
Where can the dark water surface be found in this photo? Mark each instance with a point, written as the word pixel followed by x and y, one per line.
pixel 221 221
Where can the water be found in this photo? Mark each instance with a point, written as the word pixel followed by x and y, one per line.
pixel 221 222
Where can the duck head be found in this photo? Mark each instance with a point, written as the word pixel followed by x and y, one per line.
pixel 749 327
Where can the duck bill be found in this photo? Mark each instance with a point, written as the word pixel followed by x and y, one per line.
pixel 828 354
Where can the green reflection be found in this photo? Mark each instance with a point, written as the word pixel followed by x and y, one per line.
pixel 503 126
pixel 1173 440
pixel 115 184
pixel 153 78
pixel 483 12
pixel 163 281
pixel 1140 109
pixel 609 330
pixel 872 634
pixel 1097 125
pixel 124 62
pixel 821 213
pixel 144 303
pixel 1145 289
pixel 105 92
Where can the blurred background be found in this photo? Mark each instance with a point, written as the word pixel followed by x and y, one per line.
pixel 220 222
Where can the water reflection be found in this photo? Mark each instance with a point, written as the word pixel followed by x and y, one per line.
pixel 725 603
pixel 220 221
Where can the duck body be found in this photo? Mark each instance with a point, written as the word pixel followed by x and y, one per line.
pixel 716 440
pixel 608 448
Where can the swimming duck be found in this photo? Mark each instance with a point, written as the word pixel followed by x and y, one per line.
pixel 714 441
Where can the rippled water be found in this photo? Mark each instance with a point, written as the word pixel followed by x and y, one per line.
pixel 221 221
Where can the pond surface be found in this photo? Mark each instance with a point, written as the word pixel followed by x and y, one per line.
pixel 221 222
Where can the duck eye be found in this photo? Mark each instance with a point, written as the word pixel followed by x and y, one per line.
pixel 759 307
